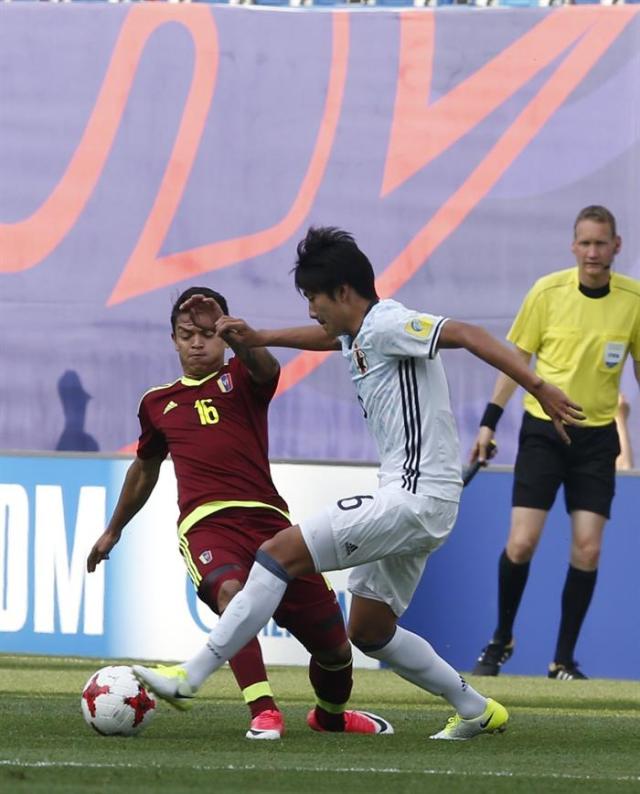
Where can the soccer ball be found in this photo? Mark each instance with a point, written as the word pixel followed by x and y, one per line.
pixel 114 703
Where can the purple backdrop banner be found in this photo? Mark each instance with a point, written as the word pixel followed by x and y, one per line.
pixel 150 147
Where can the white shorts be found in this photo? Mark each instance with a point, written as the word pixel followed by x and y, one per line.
pixel 386 537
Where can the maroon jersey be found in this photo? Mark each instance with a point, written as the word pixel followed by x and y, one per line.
pixel 216 432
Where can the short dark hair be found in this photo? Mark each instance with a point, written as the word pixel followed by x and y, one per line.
pixel 188 293
pixel 597 213
pixel 328 258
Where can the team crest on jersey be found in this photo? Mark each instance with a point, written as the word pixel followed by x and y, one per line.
pixel 206 557
pixel 420 327
pixel 225 384
pixel 360 360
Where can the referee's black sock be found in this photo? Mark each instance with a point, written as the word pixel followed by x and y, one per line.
pixel 512 578
pixel 576 597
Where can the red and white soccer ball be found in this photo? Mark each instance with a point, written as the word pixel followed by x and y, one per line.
pixel 114 703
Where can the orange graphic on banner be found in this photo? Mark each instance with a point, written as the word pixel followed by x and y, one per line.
pixel 25 243
pixel 420 132
pixel 605 25
pixel 145 270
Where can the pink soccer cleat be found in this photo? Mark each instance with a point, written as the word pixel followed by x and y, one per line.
pixel 354 722
pixel 268 724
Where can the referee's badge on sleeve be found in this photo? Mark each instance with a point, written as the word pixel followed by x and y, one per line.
pixel 613 354
pixel 419 327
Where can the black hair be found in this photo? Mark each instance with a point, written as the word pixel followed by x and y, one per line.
pixel 597 213
pixel 328 258
pixel 188 293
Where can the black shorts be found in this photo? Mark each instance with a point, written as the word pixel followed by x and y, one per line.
pixel 586 468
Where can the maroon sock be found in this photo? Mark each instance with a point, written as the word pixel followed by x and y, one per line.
pixel 262 704
pixel 248 669
pixel 332 686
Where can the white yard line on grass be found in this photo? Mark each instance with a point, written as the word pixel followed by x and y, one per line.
pixel 343 770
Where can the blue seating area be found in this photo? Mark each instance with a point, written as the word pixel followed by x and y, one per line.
pixel 418 3
pixel 378 3
pixel 415 3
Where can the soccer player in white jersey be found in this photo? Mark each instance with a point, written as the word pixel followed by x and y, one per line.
pixel 386 536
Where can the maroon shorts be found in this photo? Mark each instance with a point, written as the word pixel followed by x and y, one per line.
pixel 223 546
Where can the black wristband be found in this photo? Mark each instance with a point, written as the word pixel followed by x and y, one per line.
pixel 491 416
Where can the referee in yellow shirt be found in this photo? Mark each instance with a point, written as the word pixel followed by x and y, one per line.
pixel 580 324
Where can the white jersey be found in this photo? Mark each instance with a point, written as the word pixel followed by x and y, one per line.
pixel 402 387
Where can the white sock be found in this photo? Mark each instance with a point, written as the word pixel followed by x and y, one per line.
pixel 248 611
pixel 411 657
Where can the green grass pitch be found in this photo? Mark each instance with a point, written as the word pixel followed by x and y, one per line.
pixel 563 737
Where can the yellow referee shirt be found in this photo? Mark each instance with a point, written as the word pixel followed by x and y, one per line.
pixel 580 343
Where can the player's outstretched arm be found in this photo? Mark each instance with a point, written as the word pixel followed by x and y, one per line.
pixel 555 403
pixel 306 337
pixel 206 313
pixel 262 366
pixel 139 482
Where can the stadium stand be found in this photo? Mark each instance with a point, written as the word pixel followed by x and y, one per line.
pixel 379 3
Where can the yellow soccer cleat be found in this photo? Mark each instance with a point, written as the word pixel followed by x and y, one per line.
pixel 492 720
pixel 168 682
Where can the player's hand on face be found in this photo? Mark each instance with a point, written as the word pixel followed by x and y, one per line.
pixel 561 410
pixel 484 447
pixel 204 311
pixel 235 331
pixel 101 549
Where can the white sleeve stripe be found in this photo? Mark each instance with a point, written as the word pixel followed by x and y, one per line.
pixel 436 336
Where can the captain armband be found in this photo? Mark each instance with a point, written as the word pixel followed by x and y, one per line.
pixel 491 416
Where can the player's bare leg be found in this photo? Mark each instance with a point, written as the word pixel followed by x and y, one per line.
pixel 373 628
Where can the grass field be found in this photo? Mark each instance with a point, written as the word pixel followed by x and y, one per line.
pixel 563 737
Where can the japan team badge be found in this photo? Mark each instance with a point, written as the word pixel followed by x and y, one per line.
pixel 360 359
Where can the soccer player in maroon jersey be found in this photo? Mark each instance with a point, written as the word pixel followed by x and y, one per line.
pixel 213 423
